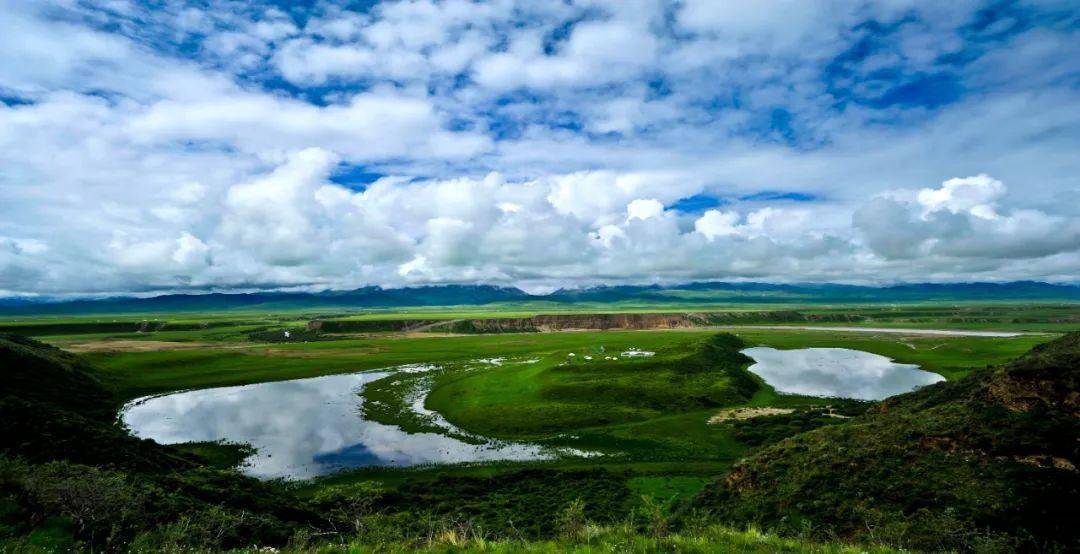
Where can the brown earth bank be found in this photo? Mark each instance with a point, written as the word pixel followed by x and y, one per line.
pixel 566 322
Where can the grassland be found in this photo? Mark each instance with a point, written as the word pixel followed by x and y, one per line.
pixel 628 405
pixel 1006 316
pixel 225 357
pixel 648 416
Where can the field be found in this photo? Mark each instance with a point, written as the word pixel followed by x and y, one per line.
pixel 643 416
pixel 646 416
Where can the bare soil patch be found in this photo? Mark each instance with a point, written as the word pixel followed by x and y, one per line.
pixel 736 414
pixel 132 346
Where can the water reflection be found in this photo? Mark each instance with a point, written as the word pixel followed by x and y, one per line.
pixel 837 372
pixel 303 428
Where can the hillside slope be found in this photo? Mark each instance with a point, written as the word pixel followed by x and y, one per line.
pixel 34 372
pixel 990 460
pixel 72 479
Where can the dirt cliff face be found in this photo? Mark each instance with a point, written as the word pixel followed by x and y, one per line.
pixel 565 322
pixel 368 325
pixel 611 321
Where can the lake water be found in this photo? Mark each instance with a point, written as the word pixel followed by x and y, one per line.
pixel 304 428
pixel 837 372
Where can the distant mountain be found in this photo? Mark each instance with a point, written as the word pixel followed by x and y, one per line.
pixel 367 297
pixel 705 292
pixel 700 293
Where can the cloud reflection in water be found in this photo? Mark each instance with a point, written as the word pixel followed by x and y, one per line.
pixel 303 428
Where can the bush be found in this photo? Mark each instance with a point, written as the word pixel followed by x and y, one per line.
pixel 103 506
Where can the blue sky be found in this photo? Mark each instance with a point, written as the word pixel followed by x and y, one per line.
pixel 172 146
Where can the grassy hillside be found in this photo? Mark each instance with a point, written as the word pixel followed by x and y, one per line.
pixel 37 373
pixel 71 478
pixel 986 461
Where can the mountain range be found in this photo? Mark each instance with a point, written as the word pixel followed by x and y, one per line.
pixel 699 293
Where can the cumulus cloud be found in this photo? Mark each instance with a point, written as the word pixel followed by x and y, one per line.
pixel 963 219
pixel 644 208
pixel 715 223
pixel 595 53
pixel 975 195
pixel 534 143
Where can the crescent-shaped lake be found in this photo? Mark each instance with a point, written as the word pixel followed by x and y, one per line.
pixel 304 428
pixel 836 372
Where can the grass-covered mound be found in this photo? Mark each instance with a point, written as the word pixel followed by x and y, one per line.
pixel 527 401
pixel 38 373
pixel 990 460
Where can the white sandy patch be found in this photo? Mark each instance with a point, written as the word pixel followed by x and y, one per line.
pixel 737 414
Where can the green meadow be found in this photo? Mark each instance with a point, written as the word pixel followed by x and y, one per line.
pixel 646 415
pixel 635 405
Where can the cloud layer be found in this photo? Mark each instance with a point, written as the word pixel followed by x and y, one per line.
pixel 535 144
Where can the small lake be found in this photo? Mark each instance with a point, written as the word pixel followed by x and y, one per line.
pixel 837 372
pixel 304 428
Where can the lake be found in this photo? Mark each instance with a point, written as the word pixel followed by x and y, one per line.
pixel 304 428
pixel 837 372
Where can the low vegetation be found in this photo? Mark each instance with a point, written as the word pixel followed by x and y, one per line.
pixel 587 389
pixel 820 476
pixel 986 461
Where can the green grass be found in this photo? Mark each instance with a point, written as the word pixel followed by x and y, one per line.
pixel 647 415
pixel 134 374
pixel 638 411
pixel 596 539
pixel 942 468
pixel 566 394
pixel 668 489
pixel 1019 316
pixel 219 455
pixel 633 409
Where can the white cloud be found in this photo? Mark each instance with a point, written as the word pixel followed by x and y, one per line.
pixel 539 144
pixel 190 251
pixel 644 208
pixel 272 218
pixel 964 219
pixel 975 195
pixel 371 125
pixel 305 61
pixel 715 223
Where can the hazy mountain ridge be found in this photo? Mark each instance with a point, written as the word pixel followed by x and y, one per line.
pixel 453 295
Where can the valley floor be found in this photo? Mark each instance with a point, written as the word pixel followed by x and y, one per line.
pixel 651 418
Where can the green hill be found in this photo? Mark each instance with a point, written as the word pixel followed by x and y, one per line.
pixel 984 463
pixel 72 479
pixel 990 460
pixel 38 373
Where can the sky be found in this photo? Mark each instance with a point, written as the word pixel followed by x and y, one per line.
pixel 174 146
